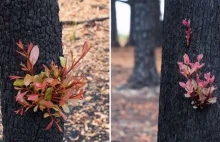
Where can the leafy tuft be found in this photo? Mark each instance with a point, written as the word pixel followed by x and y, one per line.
pixel 51 89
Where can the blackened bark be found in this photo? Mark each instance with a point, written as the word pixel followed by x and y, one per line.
pixel 144 72
pixel 178 121
pixel 131 40
pixel 34 21
pixel 114 33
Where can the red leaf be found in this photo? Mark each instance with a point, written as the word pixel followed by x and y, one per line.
pixel 78 96
pixel 20 44
pixel 21 112
pixel 41 86
pixel 34 54
pixel 58 121
pixel 67 95
pixel 33 98
pixel 53 82
pixel 60 129
pixel 21 53
pixel 48 104
pixel 20 98
pixel 24 69
pixel 49 125
pixel 85 47
pixel 12 77
pixel 62 114
pixel 17 111
pixel 30 48
pixel 29 65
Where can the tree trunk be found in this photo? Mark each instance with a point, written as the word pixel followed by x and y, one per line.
pixel 157 33
pixel 144 72
pixel 114 33
pixel 178 121
pixel 34 21
pixel 131 40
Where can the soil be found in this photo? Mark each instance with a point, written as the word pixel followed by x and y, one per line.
pixel 134 113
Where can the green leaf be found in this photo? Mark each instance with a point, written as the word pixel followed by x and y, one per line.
pixel 212 100
pixel 35 108
pixel 47 104
pixel 194 84
pixel 28 79
pixel 48 95
pixel 56 108
pixel 19 82
pixel 56 114
pixel 65 108
pixel 195 107
pixel 38 79
pixel 46 115
pixel 63 61
pixel 187 95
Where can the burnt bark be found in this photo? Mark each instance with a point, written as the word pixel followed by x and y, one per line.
pixel 114 33
pixel 144 71
pixel 34 21
pixel 178 121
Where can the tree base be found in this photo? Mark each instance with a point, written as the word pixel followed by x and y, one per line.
pixel 115 44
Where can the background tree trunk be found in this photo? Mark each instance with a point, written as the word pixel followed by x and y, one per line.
pixel 157 33
pixel 144 72
pixel 34 21
pixel 178 121
pixel 131 40
pixel 114 33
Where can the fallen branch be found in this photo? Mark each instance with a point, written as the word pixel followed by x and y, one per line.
pixel 85 21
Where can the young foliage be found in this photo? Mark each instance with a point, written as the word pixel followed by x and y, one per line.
pixel 199 90
pixel 52 89
pixel 188 31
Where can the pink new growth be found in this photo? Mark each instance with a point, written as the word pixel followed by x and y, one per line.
pixel 188 30
pixel 200 91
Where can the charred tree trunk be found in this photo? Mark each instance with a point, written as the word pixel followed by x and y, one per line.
pixel 178 121
pixel 144 72
pixel 34 21
pixel 114 33
pixel 131 40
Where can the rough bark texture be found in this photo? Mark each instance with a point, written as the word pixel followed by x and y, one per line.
pixel 114 33
pixel 34 21
pixel 131 40
pixel 144 72
pixel 178 121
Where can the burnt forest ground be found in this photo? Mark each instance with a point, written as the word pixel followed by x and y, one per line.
pixel 134 112
pixel 88 119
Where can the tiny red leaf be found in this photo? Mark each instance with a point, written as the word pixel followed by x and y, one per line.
pixel 49 125
pixel 30 48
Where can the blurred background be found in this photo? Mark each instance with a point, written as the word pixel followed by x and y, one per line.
pixel 136 38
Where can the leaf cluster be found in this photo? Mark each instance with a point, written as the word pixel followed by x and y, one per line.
pixel 52 89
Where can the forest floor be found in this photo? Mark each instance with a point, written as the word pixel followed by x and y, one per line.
pixel 89 119
pixel 134 112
